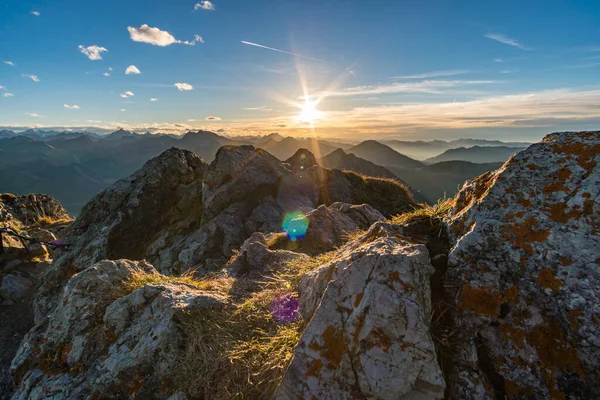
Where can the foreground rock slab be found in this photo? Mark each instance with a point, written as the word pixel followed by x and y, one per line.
pixel 103 343
pixel 524 275
pixel 368 336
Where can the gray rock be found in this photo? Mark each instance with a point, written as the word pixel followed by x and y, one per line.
pixel 369 334
pixel 239 174
pixel 98 344
pixel 524 276
pixel 127 219
pixel 329 226
pixel 14 287
pixel 255 258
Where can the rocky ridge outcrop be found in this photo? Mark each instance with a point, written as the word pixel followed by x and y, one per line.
pixel 525 273
pixel 22 262
pixel 494 299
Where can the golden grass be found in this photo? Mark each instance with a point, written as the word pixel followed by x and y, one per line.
pixel 237 352
pixel 293 271
pixel 47 222
pixel 436 211
pixel 217 283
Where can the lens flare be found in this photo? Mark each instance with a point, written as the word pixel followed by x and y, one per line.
pixel 295 225
pixel 285 308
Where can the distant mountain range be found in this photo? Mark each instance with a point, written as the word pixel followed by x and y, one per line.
pixel 476 154
pixel 74 166
pixel 422 150
pixel 428 182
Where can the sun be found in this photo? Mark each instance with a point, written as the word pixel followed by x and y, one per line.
pixel 309 113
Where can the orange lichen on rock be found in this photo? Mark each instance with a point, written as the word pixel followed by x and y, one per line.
pixel 482 300
pixel 512 294
pixel 524 202
pixel 357 299
pixel 523 234
pixel 555 187
pixel 359 325
pixel 566 261
pixel 554 349
pixel 514 334
pixel 480 187
pixel 314 367
pixel 380 339
pixel 547 280
pixel 584 152
pixel 333 347
pixel 573 319
pixel 557 212
pixel 564 173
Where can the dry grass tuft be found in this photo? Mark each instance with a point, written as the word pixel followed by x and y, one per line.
pixel 216 283
pixel 48 222
pixel 238 352
pixel 436 211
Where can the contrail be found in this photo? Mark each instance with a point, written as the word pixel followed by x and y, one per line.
pixel 280 51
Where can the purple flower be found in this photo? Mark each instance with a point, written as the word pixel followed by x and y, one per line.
pixel 285 308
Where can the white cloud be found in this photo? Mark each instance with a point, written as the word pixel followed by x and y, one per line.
pixel 156 37
pixel 506 40
pixel 432 87
pixel 34 115
pixel 261 108
pixel 498 60
pixel 106 74
pixel 92 52
pixel 32 77
pixel 94 121
pixel 2 87
pixel 433 74
pixel 212 118
pixel 541 109
pixel 12 64
pixel 7 94
pixel 36 13
pixel 122 109
pixel 153 99
pixel 191 120
pixel 205 5
pixel 109 68
pixel 183 86
pixel 132 69
pixel 73 107
pixel 126 94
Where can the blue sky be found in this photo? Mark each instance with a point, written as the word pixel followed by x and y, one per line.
pixel 381 69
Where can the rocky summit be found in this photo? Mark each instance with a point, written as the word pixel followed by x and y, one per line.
pixel 254 278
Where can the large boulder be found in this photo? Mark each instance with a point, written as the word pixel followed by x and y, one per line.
pixel 255 259
pixel 368 335
pixel 240 174
pixel 157 205
pixel 327 227
pixel 523 278
pixel 101 342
